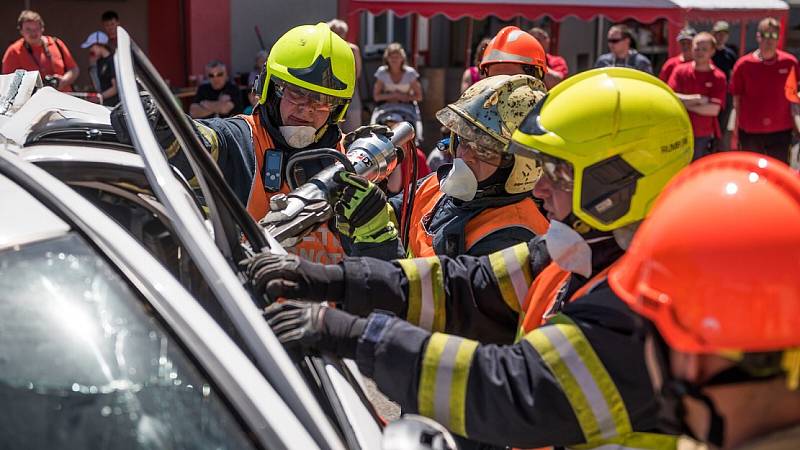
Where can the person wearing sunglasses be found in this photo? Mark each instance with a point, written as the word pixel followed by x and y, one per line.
pixel 304 91
pixel 763 113
pixel 608 141
pixel 218 96
pixel 620 40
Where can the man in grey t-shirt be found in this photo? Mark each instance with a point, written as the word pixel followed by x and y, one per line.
pixel 621 54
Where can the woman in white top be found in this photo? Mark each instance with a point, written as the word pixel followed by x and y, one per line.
pixel 397 88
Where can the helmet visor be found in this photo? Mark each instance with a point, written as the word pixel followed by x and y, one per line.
pixel 461 146
pixel 559 172
pixel 302 97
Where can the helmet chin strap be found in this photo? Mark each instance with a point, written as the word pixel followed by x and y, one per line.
pixel 716 427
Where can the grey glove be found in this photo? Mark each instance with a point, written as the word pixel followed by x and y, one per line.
pixel 315 326
pixel 154 118
pixel 290 276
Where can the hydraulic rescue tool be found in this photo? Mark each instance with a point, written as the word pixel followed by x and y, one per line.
pixel 299 212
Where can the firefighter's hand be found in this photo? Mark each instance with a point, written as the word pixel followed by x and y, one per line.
pixel 273 276
pixel 313 325
pixel 362 212
pixel 154 118
pixel 366 131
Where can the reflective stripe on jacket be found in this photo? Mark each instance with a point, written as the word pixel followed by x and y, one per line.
pixel 522 214
pixel 321 245
pixel 591 392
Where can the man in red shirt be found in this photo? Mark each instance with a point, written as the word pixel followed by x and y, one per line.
pixel 701 87
pixel 764 115
pixel 47 54
pixel 557 68
pixel 685 38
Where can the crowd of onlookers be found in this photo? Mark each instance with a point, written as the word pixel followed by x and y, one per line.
pixel 708 76
pixel 49 55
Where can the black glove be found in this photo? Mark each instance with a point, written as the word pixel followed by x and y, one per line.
pixel 154 118
pixel 313 325
pixel 366 131
pixel 292 277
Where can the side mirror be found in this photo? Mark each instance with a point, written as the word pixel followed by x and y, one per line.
pixel 413 432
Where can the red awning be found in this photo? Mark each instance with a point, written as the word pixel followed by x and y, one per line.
pixel 646 11
pixel 676 12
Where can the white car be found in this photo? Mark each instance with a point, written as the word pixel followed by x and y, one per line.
pixel 125 322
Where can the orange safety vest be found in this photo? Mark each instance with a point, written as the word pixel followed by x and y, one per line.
pixel 321 245
pixel 523 214
pixel 544 291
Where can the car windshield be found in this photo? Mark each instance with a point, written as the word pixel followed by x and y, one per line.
pixel 84 362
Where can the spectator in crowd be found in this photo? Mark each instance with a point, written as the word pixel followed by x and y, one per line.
pixel 725 55
pixel 620 40
pixel 701 87
pixel 101 67
pixel 217 97
pixel 763 114
pixel 685 38
pixel 557 68
pixel 472 74
pixel 110 20
pixel 252 77
pixel 397 87
pixel 724 59
pixel 35 51
pixel 353 116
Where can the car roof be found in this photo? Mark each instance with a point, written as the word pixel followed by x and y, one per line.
pixel 23 219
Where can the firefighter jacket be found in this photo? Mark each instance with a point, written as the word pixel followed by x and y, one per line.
pixel 479 298
pixel 239 145
pixel 443 225
pixel 580 381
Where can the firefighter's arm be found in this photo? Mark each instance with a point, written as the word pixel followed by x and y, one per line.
pixel 478 297
pixel 503 395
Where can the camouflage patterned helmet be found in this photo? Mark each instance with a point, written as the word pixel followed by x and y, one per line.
pixel 487 114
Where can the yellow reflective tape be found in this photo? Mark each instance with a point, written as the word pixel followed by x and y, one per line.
pixel 458 392
pixel 414 289
pixel 437 286
pixel 427 379
pixel 499 268
pixel 212 140
pixel 619 413
pixel 638 441
pixel 523 254
pixel 569 385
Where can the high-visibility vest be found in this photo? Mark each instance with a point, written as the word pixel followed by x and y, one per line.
pixel 522 214
pixel 545 290
pixel 321 245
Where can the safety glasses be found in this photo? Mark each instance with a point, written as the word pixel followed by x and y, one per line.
pixel 304 98
pixel 559 172
pixel 459 146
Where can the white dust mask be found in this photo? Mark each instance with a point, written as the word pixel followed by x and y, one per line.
pixel 298 136
pixel 460 182
pixel 568 249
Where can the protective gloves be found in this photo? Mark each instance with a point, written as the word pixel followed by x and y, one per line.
pixel 157 123
pixel 362 212
pixel 307 325
pixel 293 277
pixel 366 131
